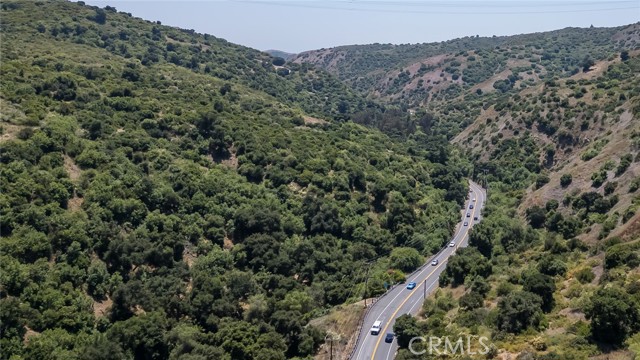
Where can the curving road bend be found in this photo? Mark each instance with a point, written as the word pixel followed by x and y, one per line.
pixel 400 300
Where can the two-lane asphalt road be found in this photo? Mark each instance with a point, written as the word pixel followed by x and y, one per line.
pixel 400 300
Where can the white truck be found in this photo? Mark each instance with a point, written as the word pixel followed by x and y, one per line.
pixel 377 326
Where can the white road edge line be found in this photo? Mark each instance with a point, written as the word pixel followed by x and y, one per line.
pixel 390 348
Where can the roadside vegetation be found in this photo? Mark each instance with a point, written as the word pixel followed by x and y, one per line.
pixel 550 122
pixel 166 194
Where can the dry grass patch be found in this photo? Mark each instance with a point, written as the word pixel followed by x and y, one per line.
pixel 227 243
pixel 100 308
pixel 309 120
pixel 29 333
pixel 75 203
pixel 615 355
pixel 342 323
pixel 573 314
pixel 10 131
pixel 73 170
pixel 189 256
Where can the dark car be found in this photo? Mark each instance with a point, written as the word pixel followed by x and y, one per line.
pixel 389 337
pixel 471 206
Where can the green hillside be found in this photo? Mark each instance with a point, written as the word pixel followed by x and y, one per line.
pixel 553 270
pixel 168 195
pixel 444 78
pixel 474 59
pixel 551 124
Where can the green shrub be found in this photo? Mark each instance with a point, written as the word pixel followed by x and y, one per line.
pixel 541 180
pixel 518 311
pixel 589 154
pixel 504 288
pixel 585 275
pixel 635 185
pixel 622 254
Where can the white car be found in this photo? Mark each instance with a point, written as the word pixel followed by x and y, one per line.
pixel 434 262
pixel 377 326
pixel 452 244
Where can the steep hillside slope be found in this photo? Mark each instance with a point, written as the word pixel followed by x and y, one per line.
pixel 445 84
pixel 551 122
pixel 149 43
pixel 168 195
pixel 418 74
pixel 535 102
pixel 553 270
pixel 577 137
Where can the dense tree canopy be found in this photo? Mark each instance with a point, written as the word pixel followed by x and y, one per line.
pixel 169 195
pixel 166 194
pixel 543 286
pixel 614 315
pixel 518 311
pixel 467 262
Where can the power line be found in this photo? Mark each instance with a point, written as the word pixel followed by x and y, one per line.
pixel 463 3
pixel 355 7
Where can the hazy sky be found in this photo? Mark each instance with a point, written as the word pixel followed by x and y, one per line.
pixel 298 25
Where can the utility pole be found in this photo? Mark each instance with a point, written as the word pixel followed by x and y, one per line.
pixel 424 290
pixel 331 349
pixel 366 282
pixel 331 337
pixel 486 183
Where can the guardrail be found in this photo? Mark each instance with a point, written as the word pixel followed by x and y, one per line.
pixel 375 300
pixel 364 316
pixel 359 327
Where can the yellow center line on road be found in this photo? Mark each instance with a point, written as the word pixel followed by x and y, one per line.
pixel 384 331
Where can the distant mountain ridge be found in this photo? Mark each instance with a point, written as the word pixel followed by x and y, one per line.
pixel 415 74
pixel 282 54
